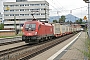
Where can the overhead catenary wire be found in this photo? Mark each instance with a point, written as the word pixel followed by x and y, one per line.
pixel 72 9
pixel 60 8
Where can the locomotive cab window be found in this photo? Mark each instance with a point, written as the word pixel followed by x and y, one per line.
pixel 30 27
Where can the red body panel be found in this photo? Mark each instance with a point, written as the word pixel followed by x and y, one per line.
pixel 45 29
pixel 42 29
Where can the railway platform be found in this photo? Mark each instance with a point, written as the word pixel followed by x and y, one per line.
pixel 67 50
pixel 72 51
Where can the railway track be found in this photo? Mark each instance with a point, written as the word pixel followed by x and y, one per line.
pixel 26 52
pixel 12 42
pixel 7 41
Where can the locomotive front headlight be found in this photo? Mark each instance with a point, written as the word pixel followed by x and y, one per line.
pixel 35 33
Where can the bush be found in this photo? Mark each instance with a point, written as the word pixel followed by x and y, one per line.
pixel 1 26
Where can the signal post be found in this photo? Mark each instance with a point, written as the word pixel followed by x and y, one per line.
pixel 88 22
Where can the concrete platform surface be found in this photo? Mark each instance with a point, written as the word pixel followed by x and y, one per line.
pixel 73 51
pixel 70 53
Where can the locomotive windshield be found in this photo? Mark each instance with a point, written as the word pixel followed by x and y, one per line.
pixel 30 27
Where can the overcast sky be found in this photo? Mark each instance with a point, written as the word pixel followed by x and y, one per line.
pixel 63 7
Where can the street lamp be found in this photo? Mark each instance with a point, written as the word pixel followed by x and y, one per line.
pixel 88 26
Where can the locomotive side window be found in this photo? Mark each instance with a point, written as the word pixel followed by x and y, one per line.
pixel 27 25
pixel 30 27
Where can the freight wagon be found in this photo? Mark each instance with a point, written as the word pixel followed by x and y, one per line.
pixel 57 31
pixel 61 30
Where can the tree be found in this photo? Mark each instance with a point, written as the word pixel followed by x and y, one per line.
pixel 62 19
pixel 76 21
pixel 55 21
pixel 1 26
pixel 80 21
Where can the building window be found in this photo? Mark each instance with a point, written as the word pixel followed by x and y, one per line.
pixel 21 14
pixel 34 9
pixel 42 13
pixel 21 9
pixel 16 5
pixel 17 10
pixel 26 4
pixel 26 14
pixel 26 9
pixel 5 10
pixel 31 4
pixel 36 14
pixel 11 10
pixel 11 5
pixel 42 4
pixel 16 14
pixel 5 5
pixel 34 4
pixel 22 5
pixel 11 14
pixel 43 9
pixel 0 18
pixel 6 14
pixel 37 4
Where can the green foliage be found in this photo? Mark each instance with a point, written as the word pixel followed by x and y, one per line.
pixel 1 26
pixel 87 44
pixel 79 21
pixel 55 21
pixel 62 19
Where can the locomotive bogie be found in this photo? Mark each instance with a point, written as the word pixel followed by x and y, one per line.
pixel 29 39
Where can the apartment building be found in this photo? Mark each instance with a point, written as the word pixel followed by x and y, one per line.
pixel 1 18
pixel 20 11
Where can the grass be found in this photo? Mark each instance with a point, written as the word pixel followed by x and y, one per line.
pixel 87 44
pixel 86 50
pixel 11 36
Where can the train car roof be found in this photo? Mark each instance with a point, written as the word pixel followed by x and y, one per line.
pixel 36 21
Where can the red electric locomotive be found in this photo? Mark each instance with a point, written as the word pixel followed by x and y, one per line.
pixel 34 31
